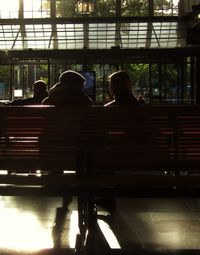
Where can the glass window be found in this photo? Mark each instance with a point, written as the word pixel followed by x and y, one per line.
pixel 8 35
pixel 164 34
pixel 134 8
pixel 133 35
pixel 9 9
pixel 25 73
pixel 166 7
pixel 65 8
pixel 105 8
pixel 95 35
pixel 102 35
pixel 92 35
pixel 70 36
pixel 38 36
pixel 4 83
pixel 37 9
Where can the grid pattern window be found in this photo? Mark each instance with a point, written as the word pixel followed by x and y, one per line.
pixel 164 34
pixel 8 35
pixel 70 36
pixel 9 9
pixel 133 35
pixel 19 43
pixel 65 9
pixel 102 36
pixel 37 8
pixel 166 7
pixel 134 8
pixel 128 8
pixel 105 8
pixel 92 35
pixel 37 36
pixel 157 34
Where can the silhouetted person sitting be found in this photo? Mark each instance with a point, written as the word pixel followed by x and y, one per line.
pixel 39 94
pixel 120 89
pixel 68 91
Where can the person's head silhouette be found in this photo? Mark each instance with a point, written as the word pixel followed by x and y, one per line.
pixel 40 89
pixel 120 88
pixel 72 78
pixel 69 90
pixel 119 83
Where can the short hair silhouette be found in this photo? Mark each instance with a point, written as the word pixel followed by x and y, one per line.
pixel 71 77
pixel 119 83
pixel 40 88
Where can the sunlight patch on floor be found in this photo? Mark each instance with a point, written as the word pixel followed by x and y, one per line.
pixel 23 231
pixel 73 229
pixel 109 235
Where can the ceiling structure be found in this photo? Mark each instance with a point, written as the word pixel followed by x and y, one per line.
pixel 40 27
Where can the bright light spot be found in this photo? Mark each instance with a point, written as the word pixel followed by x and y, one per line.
pixel 69 172
pixel 18 93
pixel 109 235
pixel 9 5
pixel 22 231
pixel 176 2
pixel 73 229
pixel 107 232
pixel 38 173
pixel 3 172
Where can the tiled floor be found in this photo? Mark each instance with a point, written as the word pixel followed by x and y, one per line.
pixel 27 224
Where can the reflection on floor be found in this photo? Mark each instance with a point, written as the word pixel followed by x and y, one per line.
pixel 27 224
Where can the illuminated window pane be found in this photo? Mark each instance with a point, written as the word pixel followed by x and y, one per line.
pixel 37 9
pixel 101 36
pixel 9 9
pixel 133 35
pixel 164 34
pixel 8 34
pixel 38 36
pixel 166 8
pixel 134 8
pixel 65 8
pixel 105 8
pixel 70 36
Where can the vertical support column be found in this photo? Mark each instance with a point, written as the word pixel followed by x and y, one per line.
pixel 22 25
pixel 49 73
pixel 183 70
pixel 197 80
pixel 192 82
pixel 118 24
pixel 160 81
pixel 11 79
pixel 21 9
pixel 150 83
pixel 150 25
pixel 53 25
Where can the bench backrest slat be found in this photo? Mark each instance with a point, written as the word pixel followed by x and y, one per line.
pixel 112 139
pixel 45 138
pixel 149 138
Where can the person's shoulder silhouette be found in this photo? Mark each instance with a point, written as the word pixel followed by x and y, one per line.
pixel 40 92
pixel 68 91
pixel 120 88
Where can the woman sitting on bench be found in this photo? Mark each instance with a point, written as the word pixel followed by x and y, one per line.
pixel 120 89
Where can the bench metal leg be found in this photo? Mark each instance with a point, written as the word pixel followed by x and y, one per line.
pixel 87 222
